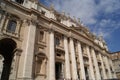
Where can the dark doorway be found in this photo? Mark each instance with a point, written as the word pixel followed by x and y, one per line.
pixel 58 70
pixel 86 73
pixel 7 45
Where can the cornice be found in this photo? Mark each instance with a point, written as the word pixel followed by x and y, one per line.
pixel 72 31
pixel 14 4
pixel 56 25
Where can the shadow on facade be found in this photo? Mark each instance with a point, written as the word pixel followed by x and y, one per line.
pixel 7 50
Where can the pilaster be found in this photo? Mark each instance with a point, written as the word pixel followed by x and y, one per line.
pixel 82 70
pixel 67 60
pixel 26 59
pixel 96 65
pixel 51 56
pixel 108 67
pixel 92 75
pixel 73 60
pixel 114 74
pixel 103 67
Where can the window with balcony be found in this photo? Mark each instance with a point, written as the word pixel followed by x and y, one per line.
pixel 11 27
pixel 83 49
pixel 57 41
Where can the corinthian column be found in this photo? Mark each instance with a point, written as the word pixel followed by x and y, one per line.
pixel 108 67
pixel 114 74
pixel 82 70
pixel 90 64
pixel 51 56
pixel 96 65
pixel 73 60
pixel 103 67
pixel 67 60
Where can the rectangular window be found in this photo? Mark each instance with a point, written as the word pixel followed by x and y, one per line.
pixel 57 41
pixel 11 26
pixel 41 36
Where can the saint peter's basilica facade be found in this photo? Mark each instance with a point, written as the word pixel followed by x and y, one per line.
pixel 51 45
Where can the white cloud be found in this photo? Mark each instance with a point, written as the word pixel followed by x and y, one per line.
pixel 109 6
pixel 106 27
pixel 83 9
pixel 89 10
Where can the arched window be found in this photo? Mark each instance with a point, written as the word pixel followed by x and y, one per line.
pixel 19 1
pixel 11 26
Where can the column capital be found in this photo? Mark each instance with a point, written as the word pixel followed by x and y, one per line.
pixel 51 30
pixel 31 22
pixel 78 41
pixel 65 36
pixel 70 38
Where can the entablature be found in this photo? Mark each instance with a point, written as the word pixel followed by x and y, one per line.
pixel 51 23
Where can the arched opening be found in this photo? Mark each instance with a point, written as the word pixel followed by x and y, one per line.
pixel 7 46
pixel 7 50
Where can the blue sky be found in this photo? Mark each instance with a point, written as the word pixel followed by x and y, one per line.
pixel 101 16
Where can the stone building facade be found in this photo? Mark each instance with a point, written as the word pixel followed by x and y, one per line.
pixel 116 62
pixel 51 45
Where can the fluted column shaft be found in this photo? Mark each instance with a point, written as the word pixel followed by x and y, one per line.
pixel 108 67
pixel 82 69
pixel 67 60
pixel 114 74
pixel 103 67
pixel 51 57
pixel 26 59
pixel 90 64
pixel 96 65
pixel 73 60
